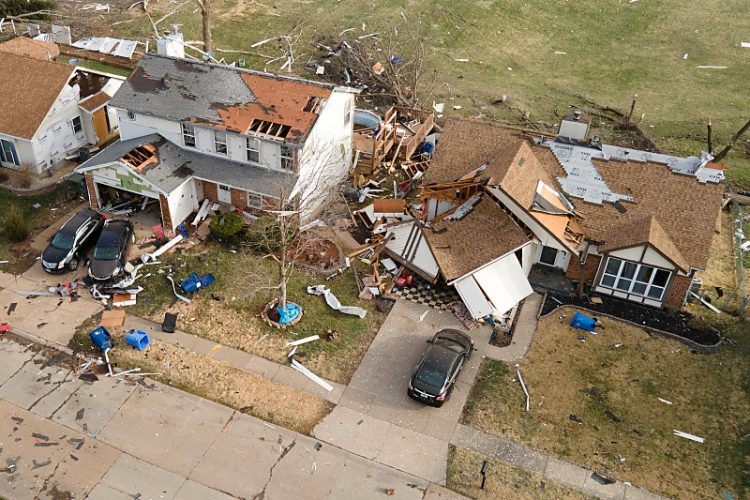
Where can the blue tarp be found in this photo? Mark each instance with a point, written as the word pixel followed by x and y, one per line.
pixel 583 322
pixel 289 314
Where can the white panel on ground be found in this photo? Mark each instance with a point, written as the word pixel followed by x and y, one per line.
pixel 409 244
pixel 473 297
pixel 504 283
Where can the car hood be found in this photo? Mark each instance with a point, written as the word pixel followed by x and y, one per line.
pixel 54 255
pixel 102 269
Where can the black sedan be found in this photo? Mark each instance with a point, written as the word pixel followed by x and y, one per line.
pixel 111 250
pixel 67 245
pixel 439 367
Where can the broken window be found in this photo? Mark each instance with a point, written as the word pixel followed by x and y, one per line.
pixel 549 256
pixel 188 135
pixel 287 157
pixel 76 124
pixel 220 142
pixel 8 152
pixel 254 200
pixel 253 149
pixel 637 279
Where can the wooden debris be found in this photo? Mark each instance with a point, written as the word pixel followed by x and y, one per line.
pixel 691 437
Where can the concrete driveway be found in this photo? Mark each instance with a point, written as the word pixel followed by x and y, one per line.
pixel 376 419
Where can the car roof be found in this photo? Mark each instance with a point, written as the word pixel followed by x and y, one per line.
pixel 439 357
pixel 116 224
pixel 75 222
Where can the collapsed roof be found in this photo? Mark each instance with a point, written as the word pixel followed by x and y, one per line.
pixel 671 203
pixel 223 97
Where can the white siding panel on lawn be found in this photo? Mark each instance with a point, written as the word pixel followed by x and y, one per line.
pixel 183 201
pixel 654 258
pixel 504 283
pixel 473 297
pixel 632 253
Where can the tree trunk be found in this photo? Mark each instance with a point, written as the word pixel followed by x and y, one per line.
pixel 208 45
pixel 283 271
pixel 732 142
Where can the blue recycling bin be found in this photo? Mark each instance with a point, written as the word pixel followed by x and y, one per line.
pixel 193 282
pixel 583 322
pixel 137 338
pixel 101 338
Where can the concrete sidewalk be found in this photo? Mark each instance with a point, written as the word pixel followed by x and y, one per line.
pixel 554 469
pixel 111 439
pixel 239 359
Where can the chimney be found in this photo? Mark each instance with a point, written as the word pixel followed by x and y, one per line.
pixel 171 44
pixel 574 126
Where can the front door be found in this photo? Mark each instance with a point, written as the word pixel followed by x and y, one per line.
pixel 225 194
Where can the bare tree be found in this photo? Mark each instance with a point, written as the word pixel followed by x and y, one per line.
pixel 732 142
pixel 205 8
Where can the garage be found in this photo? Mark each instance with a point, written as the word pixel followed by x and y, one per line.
pixel 495 288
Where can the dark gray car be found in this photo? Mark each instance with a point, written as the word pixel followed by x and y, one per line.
pixel 111 250
pixel 439 367
pixel 67 245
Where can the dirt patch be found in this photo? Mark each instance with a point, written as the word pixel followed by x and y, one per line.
pixel 317 254
pixel 610 383
pixel 503 481
pixel 220 382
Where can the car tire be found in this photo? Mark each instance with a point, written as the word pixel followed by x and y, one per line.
pixel 73 264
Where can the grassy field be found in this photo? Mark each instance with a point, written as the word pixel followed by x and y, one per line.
pixel 215 380
pixel 503 481
pixel 233 320
pixel 53 204
pixel 626 431
pixel 537 53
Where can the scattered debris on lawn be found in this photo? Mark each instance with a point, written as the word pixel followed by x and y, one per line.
pixel 311 338
pixel 523 386
pixel 665 401
pixel 334 303
pixel 691 437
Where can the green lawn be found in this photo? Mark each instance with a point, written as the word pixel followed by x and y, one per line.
pixel 243 281
pixel 19 255
pixel 613 50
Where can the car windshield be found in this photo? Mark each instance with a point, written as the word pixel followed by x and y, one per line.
pixel 431 377
pixel 105 253
pixel 62 241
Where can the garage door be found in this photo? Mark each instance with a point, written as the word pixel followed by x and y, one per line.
pixel 495 289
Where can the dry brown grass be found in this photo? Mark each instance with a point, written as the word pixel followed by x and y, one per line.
pixel 566 376
pixel 720 270
pixel 503 481
pixel 220 382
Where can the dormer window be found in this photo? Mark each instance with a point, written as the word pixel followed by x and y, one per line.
pixel 188 135
pixel 220 142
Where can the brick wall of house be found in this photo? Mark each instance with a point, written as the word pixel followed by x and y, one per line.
pixel 239 198
pixel 677 290
pixel 589 268
pixel 91 187
pixel 210 191
pixel 166 216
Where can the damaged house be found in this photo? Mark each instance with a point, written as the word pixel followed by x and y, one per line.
pixel 191 131
pixel 51 110
pixel 498 201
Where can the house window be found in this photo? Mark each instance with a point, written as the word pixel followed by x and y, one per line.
pixel 638 279
pixel 188 135
pixel 76 123
pixel 254 200
pixel 8 152
pixel 287 157
pixel 549 256
pixel 253 149
pixel 220 142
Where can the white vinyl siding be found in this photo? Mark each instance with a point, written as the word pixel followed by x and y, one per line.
pixel 634 278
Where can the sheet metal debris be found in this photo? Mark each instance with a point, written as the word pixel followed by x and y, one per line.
pixel 334 303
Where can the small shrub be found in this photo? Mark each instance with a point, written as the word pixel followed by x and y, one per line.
pixel 26 177
pixel 15 223
pixel 263 235
pixel 226 227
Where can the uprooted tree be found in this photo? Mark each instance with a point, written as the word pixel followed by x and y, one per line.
pixel 388 66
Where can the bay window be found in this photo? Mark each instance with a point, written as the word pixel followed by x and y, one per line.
pixel 634 278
